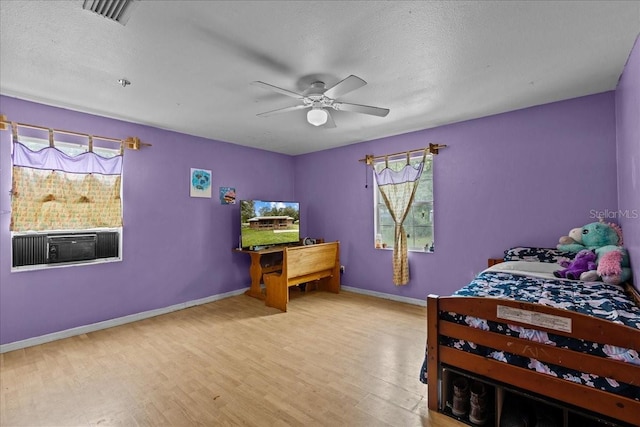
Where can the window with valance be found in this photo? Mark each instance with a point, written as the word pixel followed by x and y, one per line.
pixel 404 209
pixel 62 186
pixel 404 205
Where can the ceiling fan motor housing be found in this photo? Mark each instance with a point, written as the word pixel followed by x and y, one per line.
pixel 316 88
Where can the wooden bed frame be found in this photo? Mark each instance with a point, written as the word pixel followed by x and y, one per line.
pixel 580 326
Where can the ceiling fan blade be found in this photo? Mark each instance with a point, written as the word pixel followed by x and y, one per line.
pixel 330 123
pixel 357 108
pixel 283 110
pixel 345 86
pixel 278 89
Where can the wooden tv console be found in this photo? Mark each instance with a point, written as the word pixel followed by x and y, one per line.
pixel 264 261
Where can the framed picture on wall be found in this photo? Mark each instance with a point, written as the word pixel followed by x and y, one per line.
pixel 227 196
pixel 200 183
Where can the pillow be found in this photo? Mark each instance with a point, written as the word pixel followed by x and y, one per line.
pixel 524 253
pixel 528 268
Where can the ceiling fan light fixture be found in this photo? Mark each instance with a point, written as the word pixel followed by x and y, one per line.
pixel 317 116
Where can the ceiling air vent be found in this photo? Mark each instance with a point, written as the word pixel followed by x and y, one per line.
pixel 115 10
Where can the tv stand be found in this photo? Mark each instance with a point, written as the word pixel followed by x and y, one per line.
pixel 267 260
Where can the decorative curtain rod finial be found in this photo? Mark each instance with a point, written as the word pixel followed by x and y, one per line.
pixel 3 122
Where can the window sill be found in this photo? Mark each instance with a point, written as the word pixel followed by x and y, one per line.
pixel 64 264
pixel 410 250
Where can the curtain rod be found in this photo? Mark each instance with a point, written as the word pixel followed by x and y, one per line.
pixel 131 142
pixel 432 149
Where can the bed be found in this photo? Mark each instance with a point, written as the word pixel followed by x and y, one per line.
pixel 517 325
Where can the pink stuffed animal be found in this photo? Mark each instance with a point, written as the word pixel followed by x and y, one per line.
pixel 609 267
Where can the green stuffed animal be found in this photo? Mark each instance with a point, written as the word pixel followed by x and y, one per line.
pixel 601 238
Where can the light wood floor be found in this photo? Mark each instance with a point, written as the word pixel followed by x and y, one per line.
pixel 332 360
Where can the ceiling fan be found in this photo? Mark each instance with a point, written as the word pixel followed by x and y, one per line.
pixel 320 99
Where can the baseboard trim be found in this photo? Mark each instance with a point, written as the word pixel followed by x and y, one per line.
pixel 413 301
pixel 67 333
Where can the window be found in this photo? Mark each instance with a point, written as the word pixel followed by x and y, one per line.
pixel 418 224
pixel 66 204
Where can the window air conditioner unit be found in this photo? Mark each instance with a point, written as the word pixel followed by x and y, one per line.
pixel 68 248
pixel 37 249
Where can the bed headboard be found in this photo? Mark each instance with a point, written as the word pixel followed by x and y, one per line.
pixel 493 261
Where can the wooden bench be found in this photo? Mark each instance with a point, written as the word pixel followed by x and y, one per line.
pixel 303 264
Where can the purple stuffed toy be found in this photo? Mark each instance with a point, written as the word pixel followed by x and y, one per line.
pixel 585 260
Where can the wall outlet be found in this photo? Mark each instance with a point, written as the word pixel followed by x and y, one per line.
pixel 342 269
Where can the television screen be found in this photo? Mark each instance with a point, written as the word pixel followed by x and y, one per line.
pixel 268 223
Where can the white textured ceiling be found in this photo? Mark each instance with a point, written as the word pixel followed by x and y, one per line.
pixel 191 63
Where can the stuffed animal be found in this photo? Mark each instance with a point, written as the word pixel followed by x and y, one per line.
pixel 609 267
pixel 602 238
pixel 591 236
pixel 584 261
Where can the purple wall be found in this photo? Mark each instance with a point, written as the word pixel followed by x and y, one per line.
pixel 628 143
pixel 176 248
pixel 511 179
pixel 520 178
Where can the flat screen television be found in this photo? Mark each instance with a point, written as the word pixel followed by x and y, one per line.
pixel 268 223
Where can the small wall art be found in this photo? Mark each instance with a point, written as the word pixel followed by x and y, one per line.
pixel 200 183
pixel 227 196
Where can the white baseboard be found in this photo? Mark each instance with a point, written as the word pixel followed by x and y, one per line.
pixel 113 322
pixel 413 301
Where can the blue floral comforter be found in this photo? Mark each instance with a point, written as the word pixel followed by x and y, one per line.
pixel 591 298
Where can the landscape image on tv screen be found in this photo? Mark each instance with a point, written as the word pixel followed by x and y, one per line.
pixel 267 223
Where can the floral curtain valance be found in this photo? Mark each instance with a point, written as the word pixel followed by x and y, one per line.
pixel 55 191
